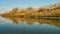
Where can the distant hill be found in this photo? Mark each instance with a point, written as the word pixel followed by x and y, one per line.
pixel 51 6
pixel 52 10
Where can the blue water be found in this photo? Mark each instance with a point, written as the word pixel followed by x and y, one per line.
pixel 8 27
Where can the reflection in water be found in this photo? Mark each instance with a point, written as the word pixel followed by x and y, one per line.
pixel 29 26
pixel 30 21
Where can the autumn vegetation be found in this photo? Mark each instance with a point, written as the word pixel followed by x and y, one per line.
pixel 52 10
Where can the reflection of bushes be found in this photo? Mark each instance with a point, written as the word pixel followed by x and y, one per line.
pixel 30 21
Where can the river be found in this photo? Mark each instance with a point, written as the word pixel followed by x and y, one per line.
pixel 29 26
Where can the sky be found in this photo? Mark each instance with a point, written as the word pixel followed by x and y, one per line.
pixel 8 4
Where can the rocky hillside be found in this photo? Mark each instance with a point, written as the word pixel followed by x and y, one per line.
pixel 51 10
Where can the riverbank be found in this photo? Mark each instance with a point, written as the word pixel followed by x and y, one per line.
pixel 48 12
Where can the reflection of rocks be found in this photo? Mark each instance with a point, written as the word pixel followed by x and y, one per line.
pixel 30 21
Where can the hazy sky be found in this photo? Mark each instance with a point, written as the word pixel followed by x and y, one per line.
pixel 7 4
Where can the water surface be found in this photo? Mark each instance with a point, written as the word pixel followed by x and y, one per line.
pixel 29 26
